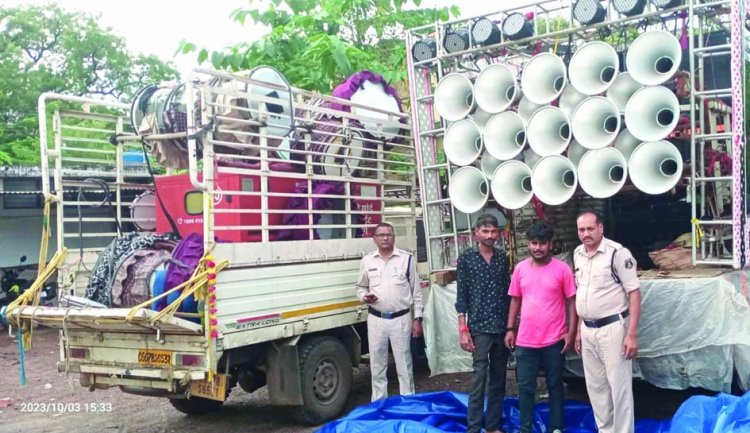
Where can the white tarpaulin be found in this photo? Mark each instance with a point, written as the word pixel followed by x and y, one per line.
pixel 692 333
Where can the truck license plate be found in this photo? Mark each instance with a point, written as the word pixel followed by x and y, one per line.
pixel 154 357
pixel 215 390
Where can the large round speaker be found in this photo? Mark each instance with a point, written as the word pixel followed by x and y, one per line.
pixel 488 164
pixel 454 97
pixel 530 158
pixel 654 57
pixel 267 82
pixel 602 172
pixel 505 135
pixel 593 67
pixel 569 100
pixel 575 152
pixel 622 89
pixel 495 88
pixel 463 142
pixel 655 166
pixel 596 122
pixel 548 131
pixel 468 189
pixel 543 78
pixel 652 113
pixel 480 117
pixel 626 143
pixel 554 180
pixel 526 108
pixel 511 184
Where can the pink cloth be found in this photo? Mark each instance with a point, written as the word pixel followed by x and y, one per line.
pixel 543 291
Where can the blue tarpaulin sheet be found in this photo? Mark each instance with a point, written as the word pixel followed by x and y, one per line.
pixel 446 412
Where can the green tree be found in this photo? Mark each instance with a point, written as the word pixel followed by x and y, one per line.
pixel 47 49
pixel 318 43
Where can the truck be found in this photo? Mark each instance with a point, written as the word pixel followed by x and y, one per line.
pixel 282 189
pixel 285 313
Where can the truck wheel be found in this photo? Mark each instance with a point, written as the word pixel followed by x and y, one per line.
pixel 326 373
pixel 195 405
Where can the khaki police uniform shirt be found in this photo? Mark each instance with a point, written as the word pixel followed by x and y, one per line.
pixel 598 295
pixel 387 279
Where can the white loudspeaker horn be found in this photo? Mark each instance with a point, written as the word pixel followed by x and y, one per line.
pixel 655 166
pixel 602 172
pixel 505 135
pixel 569 100
pixel 530 158
pixel 511 184
pixel 575 152
pixel 554 180
pixel 488 164
pixel 626 143
pixel 454 97
pixel 652 113
pixel 543 78
pixel 548 131
pixel 593 67
pixel 462 142
pixel 468 189
pixel 596 122
pixel 495 88
pixel 480 117
pixel 622 89
pixel 526 108
pixel 654 57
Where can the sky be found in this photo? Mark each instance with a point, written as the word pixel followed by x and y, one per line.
pixel 158 26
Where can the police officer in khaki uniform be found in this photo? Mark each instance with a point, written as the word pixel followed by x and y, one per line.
pixel 389 284
pixel 608 301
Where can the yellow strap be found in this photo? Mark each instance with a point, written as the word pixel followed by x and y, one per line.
pixel 698 231
pixel 32 295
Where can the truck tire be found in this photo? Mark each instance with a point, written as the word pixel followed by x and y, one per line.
pixel 195 405
pixel 326 373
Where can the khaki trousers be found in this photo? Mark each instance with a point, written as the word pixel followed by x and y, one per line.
pixel 398 332
pixel 609 376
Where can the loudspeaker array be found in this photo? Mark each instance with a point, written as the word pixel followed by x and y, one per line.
pixel 543 128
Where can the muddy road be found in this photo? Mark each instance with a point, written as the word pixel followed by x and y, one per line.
pixel 54 402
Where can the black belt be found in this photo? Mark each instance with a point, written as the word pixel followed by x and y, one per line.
pixel 388 315
pixel 604 321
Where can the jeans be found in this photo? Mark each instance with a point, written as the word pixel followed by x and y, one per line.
pixel 490 364
pixel 528 361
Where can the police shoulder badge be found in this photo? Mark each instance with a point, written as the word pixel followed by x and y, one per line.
pixel 629 263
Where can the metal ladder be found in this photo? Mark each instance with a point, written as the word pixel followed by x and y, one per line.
pixel 714 219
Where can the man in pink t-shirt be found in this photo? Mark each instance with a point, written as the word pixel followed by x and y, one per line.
pixel 542 290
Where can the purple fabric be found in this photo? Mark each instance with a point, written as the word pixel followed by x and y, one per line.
pixel 300 203
pixel 350 86
pixel 274 166
pixel 185 258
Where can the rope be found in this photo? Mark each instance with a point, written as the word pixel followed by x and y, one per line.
pixel 698 231
pixel 22 361
pixel 31 297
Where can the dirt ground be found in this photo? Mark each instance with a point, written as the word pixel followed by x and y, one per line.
pixel 54 402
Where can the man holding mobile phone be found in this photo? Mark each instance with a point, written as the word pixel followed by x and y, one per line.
pixel 389 284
